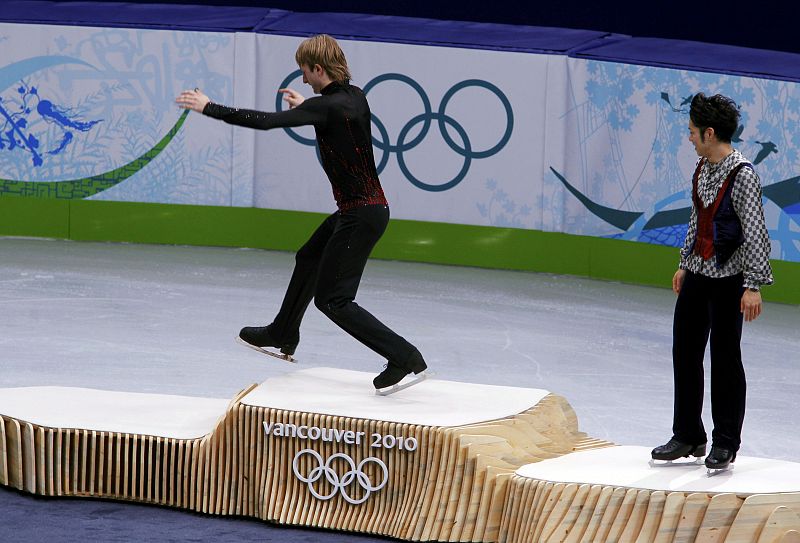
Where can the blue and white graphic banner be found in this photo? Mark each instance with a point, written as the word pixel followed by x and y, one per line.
pixel 90 113
pixel 628 166
pixel 449 133
pixel 468 136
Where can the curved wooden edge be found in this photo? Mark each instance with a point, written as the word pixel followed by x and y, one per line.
pixel 540 510
pixel 79 462
pixel 457 485
pixel 452 486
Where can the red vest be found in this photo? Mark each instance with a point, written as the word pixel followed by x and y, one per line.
pixel 708 240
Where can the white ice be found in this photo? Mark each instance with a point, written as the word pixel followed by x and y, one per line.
pixel 162 319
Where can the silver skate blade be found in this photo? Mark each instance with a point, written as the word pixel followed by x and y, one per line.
pixel 408 381
pixel 714 472
pixel 262 350
pixel 673 464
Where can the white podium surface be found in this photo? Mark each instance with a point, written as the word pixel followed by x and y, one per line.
pixel 176 417
pixel 628 466
pixel 433 402
pixel 429 463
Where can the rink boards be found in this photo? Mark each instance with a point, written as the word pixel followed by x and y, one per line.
pixel 442 461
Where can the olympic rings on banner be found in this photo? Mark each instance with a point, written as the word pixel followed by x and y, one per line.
pixel 340 483
pixel 279 107
pixel 426 118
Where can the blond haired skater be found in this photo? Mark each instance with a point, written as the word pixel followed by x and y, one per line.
pixel 329 266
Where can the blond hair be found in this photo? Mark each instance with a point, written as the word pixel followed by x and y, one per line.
pixel 325 51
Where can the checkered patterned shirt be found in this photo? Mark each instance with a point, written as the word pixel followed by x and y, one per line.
pixel 752 258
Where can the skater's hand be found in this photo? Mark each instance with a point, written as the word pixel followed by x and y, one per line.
pixel 751 305
pixel 193 99
pixel 677 281
pixel 292 97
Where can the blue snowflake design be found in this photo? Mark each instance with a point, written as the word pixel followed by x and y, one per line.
pixel 501 210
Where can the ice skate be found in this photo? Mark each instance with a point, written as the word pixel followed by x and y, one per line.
pixel 719 460
pixel 259 338
pixel 396 377
pixel 665 455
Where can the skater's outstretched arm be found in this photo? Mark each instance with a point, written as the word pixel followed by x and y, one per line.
pixel 303 112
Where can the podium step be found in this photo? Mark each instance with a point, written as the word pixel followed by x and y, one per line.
pixel 315 448
pixel 614 494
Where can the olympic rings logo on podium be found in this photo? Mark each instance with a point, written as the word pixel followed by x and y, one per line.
pixel 426 118
pixel 355 474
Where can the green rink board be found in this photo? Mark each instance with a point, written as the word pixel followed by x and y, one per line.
pixel 417 241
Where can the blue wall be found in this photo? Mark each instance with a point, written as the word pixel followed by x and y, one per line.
pixel 763 25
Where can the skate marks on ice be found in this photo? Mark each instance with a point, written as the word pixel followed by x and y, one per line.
pixel 263 350
pixel 620 497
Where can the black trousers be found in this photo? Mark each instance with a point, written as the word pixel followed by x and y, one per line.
pixel 706 307
pixel 328 268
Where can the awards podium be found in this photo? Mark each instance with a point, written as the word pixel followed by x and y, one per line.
pixel 613 494
pixel 441 461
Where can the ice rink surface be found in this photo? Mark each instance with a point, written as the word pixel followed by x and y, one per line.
pixel 162 319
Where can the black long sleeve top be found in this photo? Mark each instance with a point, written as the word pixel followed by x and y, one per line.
pixel 342 122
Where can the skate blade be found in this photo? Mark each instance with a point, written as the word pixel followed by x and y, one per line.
pixel 673 464
pixel 262 350
pixel 402 385
pixel 714 472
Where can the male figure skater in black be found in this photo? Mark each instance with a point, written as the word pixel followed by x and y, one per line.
pixel 329 266
pixel 724 262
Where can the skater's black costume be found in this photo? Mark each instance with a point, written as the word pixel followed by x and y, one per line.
pixel 329 266
pixel 341 120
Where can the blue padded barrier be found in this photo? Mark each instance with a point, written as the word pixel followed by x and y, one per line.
pixel 132 15
pixel 357 26
pixel 586 44
pixel 697 56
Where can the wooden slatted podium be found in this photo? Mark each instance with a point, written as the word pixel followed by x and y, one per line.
pixel 315 448
pixel 613 494
pixel 442 461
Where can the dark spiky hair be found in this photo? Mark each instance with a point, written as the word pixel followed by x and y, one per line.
pixel 717 112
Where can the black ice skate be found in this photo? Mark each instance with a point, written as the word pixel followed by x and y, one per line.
pixel 674 450
pixel 393 378
pixel 719 460
pixel 259 337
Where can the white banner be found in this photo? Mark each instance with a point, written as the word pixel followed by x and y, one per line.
pixel 627 167
pixel 88 113
pixel 454 135
pixel 468 136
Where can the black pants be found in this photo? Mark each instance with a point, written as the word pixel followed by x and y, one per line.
pixel 709 306
pixel 328 269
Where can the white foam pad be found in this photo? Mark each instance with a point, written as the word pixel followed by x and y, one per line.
pixel 433 402
pixel 177 417
pixel 628 466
